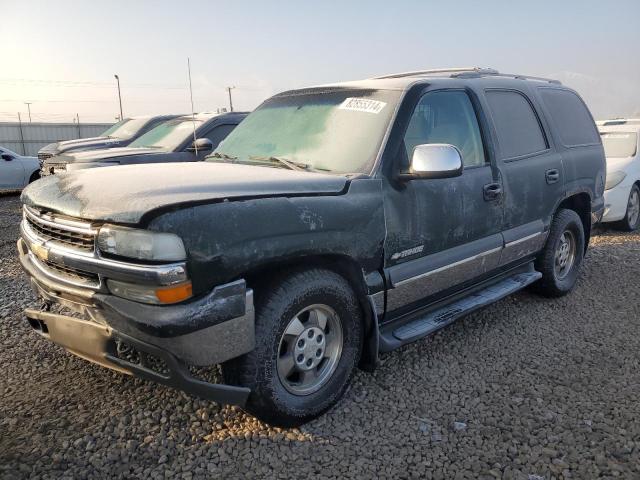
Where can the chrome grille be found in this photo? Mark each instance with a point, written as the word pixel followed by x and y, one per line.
pixel 74 273
pixel 67 232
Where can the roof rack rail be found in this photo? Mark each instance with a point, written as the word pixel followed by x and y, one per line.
pixel 529 77
pixel 466 72
pixel 416 73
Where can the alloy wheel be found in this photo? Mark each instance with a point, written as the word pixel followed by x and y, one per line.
pixel 310 349
pixel 565 254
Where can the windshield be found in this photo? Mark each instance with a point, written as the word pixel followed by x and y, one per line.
pixel 126 128
pixel 335 130
pixel 619 144
pixel 168 135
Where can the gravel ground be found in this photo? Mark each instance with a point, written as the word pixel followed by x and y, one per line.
pixel 527 388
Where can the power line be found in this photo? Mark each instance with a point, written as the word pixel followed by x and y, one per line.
pixel 86 83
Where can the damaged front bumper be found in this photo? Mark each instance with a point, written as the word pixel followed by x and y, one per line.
pixel 159 343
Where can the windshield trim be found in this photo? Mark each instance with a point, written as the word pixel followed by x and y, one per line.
pixel 387 134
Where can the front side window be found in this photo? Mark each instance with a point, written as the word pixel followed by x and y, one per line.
pixel 336 130
pixel 218 134
pixel 619 144
pixel 168 135
pixel 518 129
pixel 446 117
pixel 126 129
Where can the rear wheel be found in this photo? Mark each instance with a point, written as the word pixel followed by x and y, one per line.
pixel 561 257
pixel 308 342
pixel 631 220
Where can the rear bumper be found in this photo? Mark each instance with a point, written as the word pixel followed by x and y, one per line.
pixel 205 331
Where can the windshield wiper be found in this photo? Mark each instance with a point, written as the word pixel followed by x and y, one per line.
pixel 299 166
pixel 222 155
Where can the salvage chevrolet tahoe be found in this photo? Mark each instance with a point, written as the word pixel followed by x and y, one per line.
pixel 334 223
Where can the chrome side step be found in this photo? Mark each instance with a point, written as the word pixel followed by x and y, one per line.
pixel 442 317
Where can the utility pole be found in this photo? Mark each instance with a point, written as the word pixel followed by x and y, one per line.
pixel 119 96
pixel 230 101
pixel 78 120
pixel 28 104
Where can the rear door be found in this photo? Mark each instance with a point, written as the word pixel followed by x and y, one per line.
pixel 532 174
pixel 441 233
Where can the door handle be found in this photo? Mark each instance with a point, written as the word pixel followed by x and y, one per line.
pixel 492 191
pixel 552 176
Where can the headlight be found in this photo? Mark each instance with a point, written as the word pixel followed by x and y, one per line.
pixel 614 179
pixel 141 244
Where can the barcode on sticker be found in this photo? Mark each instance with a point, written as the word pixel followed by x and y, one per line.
pixel 362 105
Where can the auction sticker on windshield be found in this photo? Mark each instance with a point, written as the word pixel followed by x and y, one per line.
pixel 362 105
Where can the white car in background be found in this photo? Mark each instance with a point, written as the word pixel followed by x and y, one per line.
pixel 17 171
pixel 622 190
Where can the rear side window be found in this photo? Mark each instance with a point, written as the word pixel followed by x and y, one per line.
pixel 517 125
pixel 571 117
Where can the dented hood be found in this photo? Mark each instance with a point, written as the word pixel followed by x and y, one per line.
pixel 124 194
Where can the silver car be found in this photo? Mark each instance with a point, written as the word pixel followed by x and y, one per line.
pixel 16 171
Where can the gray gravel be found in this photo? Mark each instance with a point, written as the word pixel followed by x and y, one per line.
pixel 528 388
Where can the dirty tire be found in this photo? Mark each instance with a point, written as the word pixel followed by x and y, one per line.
pixel 277 302
pixel 550 285
pixel 628 224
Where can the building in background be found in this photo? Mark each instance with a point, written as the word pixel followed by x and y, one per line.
pixel 28 138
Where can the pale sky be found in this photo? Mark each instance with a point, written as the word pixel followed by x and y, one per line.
pixel 61 55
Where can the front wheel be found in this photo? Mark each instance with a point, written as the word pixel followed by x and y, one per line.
pixel 308 342
pixel 560 260
pixel 631 220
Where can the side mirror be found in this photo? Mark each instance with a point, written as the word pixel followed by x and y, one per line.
pixel 7 157
pixel 201 145
pixel 436 160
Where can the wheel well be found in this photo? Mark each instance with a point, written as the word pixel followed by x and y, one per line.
pixel 34 176
pixel 342 265
pixel 581 204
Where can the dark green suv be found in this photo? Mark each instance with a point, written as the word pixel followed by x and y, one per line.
pixel 333 223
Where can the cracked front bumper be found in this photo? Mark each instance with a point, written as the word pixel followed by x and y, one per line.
pixel 205 331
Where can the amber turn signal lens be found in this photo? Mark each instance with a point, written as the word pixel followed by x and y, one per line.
pixel 175 293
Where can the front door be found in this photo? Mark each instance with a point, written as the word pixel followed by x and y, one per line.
pixel 11 171
pixel 441 233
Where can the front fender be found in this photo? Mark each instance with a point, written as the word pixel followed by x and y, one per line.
pixel 225 239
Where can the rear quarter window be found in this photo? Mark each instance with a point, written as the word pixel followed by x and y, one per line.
pixel 570 116
pixel 517 125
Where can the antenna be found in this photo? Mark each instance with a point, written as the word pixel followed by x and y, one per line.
pixel 193 113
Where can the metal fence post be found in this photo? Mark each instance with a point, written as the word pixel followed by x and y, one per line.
pixel 24 149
